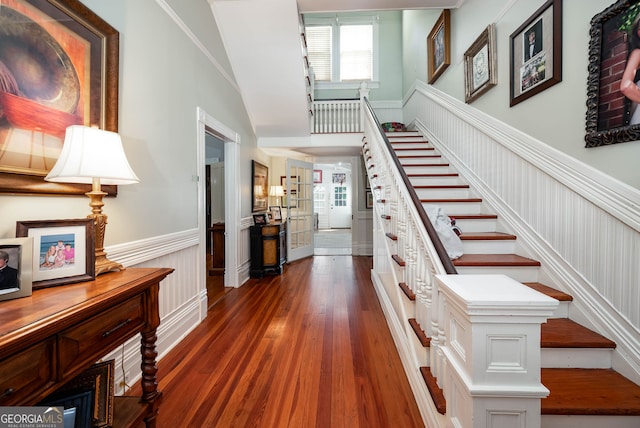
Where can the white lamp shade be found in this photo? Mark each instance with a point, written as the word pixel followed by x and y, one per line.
pixel 277 191
pixel 90 153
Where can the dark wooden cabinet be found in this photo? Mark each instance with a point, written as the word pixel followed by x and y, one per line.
pixel 217 249
pixel 268 249
pixel 48 338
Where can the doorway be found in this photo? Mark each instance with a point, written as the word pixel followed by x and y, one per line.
pixel 215 217
pixel 333 203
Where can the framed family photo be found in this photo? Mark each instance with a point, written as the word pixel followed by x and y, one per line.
pixel 15 268
pixel 613 115
pixel 536 53
pixel 439 47
pixel 78 52
pixel 480 69
pixel 63 250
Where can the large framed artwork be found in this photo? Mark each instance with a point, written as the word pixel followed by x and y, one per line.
pixel 58 67
pixel 439 47
pixel 259 187
pixel 480 65
pixel 536 53
pixel 613 96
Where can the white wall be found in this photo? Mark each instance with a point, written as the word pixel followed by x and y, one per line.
pixel 559 112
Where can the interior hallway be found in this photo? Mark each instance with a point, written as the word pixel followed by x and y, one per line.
pixel 306 348
pixel 332 242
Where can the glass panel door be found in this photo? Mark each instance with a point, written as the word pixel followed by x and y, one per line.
pixel 299 196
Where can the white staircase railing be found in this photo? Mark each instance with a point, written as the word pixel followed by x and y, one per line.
pixel 484 329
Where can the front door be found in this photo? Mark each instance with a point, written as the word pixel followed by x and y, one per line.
pixel 340 203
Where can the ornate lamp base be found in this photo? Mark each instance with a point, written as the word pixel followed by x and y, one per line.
pixel 103 265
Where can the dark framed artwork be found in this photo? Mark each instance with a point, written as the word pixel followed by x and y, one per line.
pixel 480 65
pixel 536 53
pixel 259 186
pixel 276 213
pixel 78 53
pixel 369 199
pixel 317 176
pixel 63 250
pixel 15 268
pixel 260 219
pixel 439 47
pixel 98 382
pixel 613 96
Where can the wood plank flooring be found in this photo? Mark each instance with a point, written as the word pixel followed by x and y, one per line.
pixel 306 348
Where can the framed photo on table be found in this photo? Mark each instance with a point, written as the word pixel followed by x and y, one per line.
pixel 79 52
pixel 480 69
pixel 63 250
pixel 536 53
pixel 16 268
pixel 439 47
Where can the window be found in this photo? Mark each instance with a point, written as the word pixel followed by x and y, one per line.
pixel 342 51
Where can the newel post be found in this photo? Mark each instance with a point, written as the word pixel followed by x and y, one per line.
pixel 364 92
pixel 492 350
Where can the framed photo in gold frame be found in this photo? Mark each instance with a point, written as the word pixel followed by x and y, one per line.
pixel 480 69
pixel 439 47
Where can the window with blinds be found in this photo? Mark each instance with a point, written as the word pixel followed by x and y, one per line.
pixel 340 53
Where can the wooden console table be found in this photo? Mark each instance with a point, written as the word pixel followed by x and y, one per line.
pixel 57 333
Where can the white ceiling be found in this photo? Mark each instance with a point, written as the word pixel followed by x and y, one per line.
pixel 262 39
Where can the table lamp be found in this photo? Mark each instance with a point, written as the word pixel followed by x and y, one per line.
pixel 278 192
pixel 94 156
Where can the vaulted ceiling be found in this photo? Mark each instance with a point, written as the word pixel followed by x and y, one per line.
pixel 262 39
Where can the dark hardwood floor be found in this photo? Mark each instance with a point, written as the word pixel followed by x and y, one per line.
pixel 308 348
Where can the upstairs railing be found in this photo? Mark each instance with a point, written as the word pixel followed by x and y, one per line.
pixel 483 360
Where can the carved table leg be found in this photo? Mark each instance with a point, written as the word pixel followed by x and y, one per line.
pixel 150 393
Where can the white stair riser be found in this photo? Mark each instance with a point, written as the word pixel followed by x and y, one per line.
pixel 435 181
pixel 443 193
pixel 589 421
pixel 433 169
pixel 476 225
pixel 519 273
pixel 453 208
pixel 489 247
pixel 420 160
pixel 412 146
pixel 580 358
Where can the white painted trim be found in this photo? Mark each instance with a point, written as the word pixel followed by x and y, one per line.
pixel 136 252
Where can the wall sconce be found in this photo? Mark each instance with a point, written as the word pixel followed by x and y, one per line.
pixel 94 156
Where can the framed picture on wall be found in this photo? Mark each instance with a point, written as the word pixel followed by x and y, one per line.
pixel 317 176
pixel 536 53
pixel 613 115
pixel 78 52
pixel 439 47
pixel 480 69
pixel 369 196
pixel 259 186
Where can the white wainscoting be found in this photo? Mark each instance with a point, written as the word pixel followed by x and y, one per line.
pixel 583 225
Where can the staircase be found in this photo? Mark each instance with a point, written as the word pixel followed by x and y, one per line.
pixel 576 362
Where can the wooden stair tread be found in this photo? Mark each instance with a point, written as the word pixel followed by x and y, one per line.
pixel 399 149
pixel 399 260
pixel 437 394
pixel 422 337
pixel 391 236
pixel 407 291
pixel 494 260
pixel 589 392
pixel 464 200
pixel 474 216
pixel 433 175
pixel 490 236
pixel 442 186
pixel 551 292
pixel 418 157
pixel 565 333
